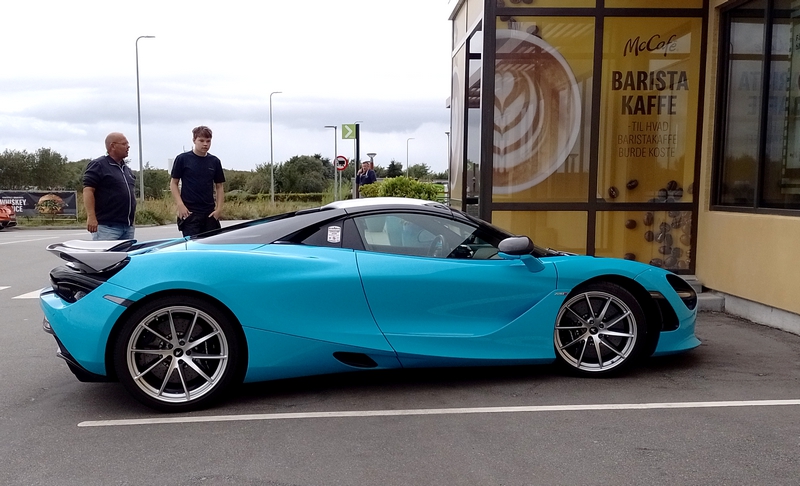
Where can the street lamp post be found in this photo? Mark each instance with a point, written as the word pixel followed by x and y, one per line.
pixel 335 170
pixel 271 162
pixel 412 138
pixel 139 114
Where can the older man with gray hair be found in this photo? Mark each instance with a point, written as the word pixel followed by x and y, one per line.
pixel 109 192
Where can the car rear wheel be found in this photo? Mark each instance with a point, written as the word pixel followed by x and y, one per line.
pixel 177 353
pixel 600 330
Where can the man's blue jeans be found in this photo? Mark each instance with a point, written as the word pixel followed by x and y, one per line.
pixel 113 232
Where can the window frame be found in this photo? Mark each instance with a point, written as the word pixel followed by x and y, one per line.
pixel 727 15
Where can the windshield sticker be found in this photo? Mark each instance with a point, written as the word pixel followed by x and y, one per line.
pixel 334 234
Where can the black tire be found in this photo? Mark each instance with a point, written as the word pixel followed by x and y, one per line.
pixel 600 330
pixel 164 369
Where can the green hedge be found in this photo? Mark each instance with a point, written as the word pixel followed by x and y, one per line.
pixel 242 196
pixel 402 187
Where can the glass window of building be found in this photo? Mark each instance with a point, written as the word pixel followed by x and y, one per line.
pixel 758 160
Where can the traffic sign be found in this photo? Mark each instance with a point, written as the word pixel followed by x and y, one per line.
pixel 341 162
pixel 348 131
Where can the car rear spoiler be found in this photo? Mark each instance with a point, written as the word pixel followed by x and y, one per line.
pixel 92 256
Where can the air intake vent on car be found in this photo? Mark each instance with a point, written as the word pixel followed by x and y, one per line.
pixel 358 360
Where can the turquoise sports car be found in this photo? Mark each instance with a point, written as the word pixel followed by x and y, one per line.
pixel 364 284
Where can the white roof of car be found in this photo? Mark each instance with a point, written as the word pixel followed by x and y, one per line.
pixel 380 201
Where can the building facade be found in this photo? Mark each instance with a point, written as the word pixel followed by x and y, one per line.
pixel 662 132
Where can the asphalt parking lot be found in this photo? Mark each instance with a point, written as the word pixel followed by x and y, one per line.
pixel 726 413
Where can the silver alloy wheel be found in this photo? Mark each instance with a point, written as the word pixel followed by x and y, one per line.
pixel 177 354
pixel 595 332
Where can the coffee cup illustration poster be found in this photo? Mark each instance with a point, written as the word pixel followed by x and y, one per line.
pixel 537 111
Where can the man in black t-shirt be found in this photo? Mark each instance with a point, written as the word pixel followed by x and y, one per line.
pixel 108 192
pixel 201 192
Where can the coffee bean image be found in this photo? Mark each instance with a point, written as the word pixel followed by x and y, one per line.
pixel 668 239
pixel 613 192
pixel 672 185
pixel 630 256
pixel 657 262
pixel 665 250
pixel 676 223
pixel 648 218
pixel 630 224
pixel 677 252
pixel 686 240
pixel 682 264
pixel 665 227
pixel 686 228
pixel 671 262
pixel 649 236
pixel 690 189
pixel 533 30
pixel 677 194
pixel 674 214
pixel 660 237
pixel 661 196
pixel 632 184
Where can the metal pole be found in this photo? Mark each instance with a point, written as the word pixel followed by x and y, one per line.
pixel 356 163
pixel 139 115
pixel 412 138
pixel 335 170
pixel 271 162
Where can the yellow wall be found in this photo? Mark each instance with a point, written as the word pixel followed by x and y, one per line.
pixel 751 256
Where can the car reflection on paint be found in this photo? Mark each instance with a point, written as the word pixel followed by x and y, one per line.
pixel 363 284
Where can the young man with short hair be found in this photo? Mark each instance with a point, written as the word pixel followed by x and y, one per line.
pixel 201 193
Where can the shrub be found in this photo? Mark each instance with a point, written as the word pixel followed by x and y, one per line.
pixel 402 187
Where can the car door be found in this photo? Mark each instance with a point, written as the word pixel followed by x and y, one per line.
pixel 438 291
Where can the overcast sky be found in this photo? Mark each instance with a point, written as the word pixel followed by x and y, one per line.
pixel 68 77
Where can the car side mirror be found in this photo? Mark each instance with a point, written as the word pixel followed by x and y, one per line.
pixel 520 248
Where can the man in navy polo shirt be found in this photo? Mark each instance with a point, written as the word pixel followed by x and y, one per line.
pixel 201 192
pixel 108 192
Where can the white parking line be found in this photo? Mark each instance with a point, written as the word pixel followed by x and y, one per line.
pixel 437 411
pixel 4 287
pixel 29 295
pixel 27 241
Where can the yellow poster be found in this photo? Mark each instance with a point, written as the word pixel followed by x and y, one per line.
pixel 542 109
pixel 648 126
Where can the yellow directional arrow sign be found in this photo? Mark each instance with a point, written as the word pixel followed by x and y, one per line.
pixel 349 131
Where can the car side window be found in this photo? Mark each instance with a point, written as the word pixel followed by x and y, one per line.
pixel 332 234
pixel 423 235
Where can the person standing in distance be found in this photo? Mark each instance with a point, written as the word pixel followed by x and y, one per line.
pixel 201 192
pixel 109 192
pixel 365 174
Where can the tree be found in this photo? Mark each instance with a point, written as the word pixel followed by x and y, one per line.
pixel 156 182
pixel 236 180
pixel 14 169
pixel 304 174
pixel 395 169
pixel 47 169
pixel 259 180
pixel 419 171
pixel 73 174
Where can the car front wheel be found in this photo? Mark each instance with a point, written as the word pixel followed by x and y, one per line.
pixel 600 330
pixel 177 353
